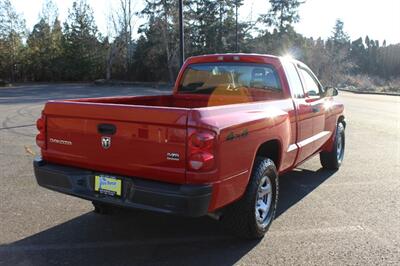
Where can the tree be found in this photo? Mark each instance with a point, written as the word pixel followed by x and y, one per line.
pixel 12 31
pixel 388 61
pixel 39 51
pixel 283 39
pixel 162 31
pixel 203 27
pixel 358 55
pixel 372 56
pixel 77 51
pixel 226 24
pixel 338 48
pixel 211 27
pixel 45 46
pixel 283 14
pixel 83 53
pixel 57 51
pixel 120 29
pixel 339 37
pixel 49 12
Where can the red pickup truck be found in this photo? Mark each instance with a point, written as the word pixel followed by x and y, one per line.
pixel 216 145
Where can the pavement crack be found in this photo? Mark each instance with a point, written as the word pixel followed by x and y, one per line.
pixel 21 126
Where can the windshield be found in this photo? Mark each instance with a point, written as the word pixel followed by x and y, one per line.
pixel 230 79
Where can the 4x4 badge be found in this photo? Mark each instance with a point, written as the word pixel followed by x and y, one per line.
pixel 106 142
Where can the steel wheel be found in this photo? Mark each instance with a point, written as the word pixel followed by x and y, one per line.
pixel 263 202
pixel 340 146
pixel 333 159
pixel 251 216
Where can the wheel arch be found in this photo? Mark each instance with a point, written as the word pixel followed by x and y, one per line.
pixel 329 144
pixel 271 149
pixel 342 119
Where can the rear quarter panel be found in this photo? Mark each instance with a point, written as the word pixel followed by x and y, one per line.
pixel 251 125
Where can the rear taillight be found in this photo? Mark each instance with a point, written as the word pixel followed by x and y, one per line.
pixel 201 150
pixel 41 137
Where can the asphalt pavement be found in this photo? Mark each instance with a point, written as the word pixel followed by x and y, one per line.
pixel 348 217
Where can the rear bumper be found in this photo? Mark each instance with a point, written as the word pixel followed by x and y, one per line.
pixel 186 200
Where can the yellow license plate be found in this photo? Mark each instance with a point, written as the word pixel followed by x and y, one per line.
pixel 108 185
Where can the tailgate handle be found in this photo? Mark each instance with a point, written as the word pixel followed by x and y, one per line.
pixel 106 129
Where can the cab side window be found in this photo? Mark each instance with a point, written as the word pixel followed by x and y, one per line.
pixel 311 87
pixel 295 84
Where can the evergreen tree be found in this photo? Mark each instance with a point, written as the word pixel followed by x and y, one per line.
pixel 202 26
pixel 388 61
pixel 82 49
pixel 77 51
pixel 283 14
pixel 57 51
pixel 39 50
pixel 49 12
pixel 339 36
pixel 211 27
pixel 162 33
pixel 12 31
pixel 372 56
pixel 358 55
pixel 44 46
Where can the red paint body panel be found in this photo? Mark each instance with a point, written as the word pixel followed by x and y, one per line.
pixel 150 127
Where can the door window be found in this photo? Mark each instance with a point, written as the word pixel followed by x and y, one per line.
pixel 311 87
pixel 294 81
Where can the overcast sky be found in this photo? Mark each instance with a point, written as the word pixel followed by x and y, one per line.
pixel 380 19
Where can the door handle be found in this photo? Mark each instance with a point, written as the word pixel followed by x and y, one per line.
pixel 106 129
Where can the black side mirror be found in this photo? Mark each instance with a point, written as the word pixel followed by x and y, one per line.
pixel 331 91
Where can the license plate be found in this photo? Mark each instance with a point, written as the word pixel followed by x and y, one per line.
pixel 108 185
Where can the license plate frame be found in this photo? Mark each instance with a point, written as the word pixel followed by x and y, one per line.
pixel 108 185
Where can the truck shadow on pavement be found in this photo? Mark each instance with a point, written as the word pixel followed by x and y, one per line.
pixel 297 184
pixel 143 238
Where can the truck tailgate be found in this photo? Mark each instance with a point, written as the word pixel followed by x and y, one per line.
pixel 148 142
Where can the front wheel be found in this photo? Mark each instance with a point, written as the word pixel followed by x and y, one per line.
pixel 251 216
pixel 333 160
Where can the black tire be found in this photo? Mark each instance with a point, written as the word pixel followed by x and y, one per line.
pixel 333 160
pixel 240 217
pixel 101 208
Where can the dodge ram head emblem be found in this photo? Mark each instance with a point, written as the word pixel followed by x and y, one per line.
pixel 106 142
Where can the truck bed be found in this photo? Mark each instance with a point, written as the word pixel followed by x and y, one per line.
pixel 148 128
pixel 156 101
pixel 187 101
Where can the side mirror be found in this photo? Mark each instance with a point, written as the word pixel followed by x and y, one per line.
pixel 312 93
pixel 331 91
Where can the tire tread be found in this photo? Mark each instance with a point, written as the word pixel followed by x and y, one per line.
pixel 239 217
pixel 329 160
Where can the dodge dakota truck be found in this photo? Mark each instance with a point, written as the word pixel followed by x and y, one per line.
pixel 215 146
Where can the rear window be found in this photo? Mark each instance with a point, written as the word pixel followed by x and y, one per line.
pixel 254 80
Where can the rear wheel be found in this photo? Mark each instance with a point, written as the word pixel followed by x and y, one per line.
pixel 251 216
pixel 333 159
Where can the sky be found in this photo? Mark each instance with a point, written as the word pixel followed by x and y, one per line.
pixel 380 19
